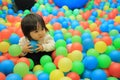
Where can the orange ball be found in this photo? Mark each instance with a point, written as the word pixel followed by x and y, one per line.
pixel 76 46
pixel 2 76
pixel 30 77
pixel 24 59
pixel 107 40
pixel 56 60
pixel 2 58
pixel 76 32
pixel 57 26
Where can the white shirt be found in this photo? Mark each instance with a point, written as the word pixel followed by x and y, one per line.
pixel 47 42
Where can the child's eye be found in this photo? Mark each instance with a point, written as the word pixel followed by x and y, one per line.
pixel 36 31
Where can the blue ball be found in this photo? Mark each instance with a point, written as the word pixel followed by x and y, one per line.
pixel 6 66
pixel 58 36
pixel 90 62
pixel 13 76
pixel 14 39
pixel 69 41
pixel 98 74
pixel 43 76
pixel 33 43
pixel 72 4
pixel 86 35
pixel 115 56
pixel 2 27
pixel 86 74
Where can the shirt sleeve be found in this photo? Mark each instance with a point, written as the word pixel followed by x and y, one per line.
pixel 22 42
pixel 49 44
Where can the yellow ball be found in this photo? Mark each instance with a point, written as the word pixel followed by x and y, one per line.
pixel 93 26
pixel 106 7
pixel 2 21
pixel 4 46
pixel 100 46
pixel 37 67
pixel 117 19
pixel 17 24
pixel 49 26
pixel 5 8
pixel 94 34
pixel 64 30
pixel 56 74
pixel 65 64
pixel 65 7
pixel 65 78
pixel 75 55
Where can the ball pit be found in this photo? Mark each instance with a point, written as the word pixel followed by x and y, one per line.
pixel 86 34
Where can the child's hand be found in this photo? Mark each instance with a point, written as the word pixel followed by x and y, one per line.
pixel 27 48
pixel 40 48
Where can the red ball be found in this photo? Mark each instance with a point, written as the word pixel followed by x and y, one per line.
pixel 76 46
pixel 114 69
pixel 24 59
pixel 2 76
pixel 56 60
pixel 2 58
pixel 107 40
pixel 57 26
pixel 73 76
pixel 30 77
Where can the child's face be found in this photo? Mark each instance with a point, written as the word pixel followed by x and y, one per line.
pixel 38 34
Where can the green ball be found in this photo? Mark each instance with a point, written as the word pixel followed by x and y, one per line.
pixel 31 63
pixel 92 52
pixel 21 68
pixel 80 28
pixel 113 32
pixel 45 59
pixel 118 8
pixel 77 67
pixel 49 67
pixel 61 51
pixel 112 78
pixel 76 39
pixel 15 50
pixel 104 61
pixel 76 12
pixel 109 49
pixel 116 43
pixel 60 42
pixel 67 35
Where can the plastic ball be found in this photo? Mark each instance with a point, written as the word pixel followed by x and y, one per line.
pixel 31 63
pixel 30 77
pixel 76 46
pixel 56 60
pixel 57 26
pixel 43 76
pixel 45 59
pixel 56 75
pixel 15 50
pixel 90 62
pixel 114 69
pixel 116 43
pixel 33 43
pixel 49 67
pixel 58 36
pixel 104 61
pixel 21 68
pixel 75 55
pixel 37 68
pixel 4 46
pixel 109 49
pixel 115 56
pixel 67 35
pixel 73 76
pixel 13 76
pixel 98 74
pixel 117 19
pixel 24 59
pixel 63 53
pixel 100 46
pixel 2 76
pixel 65 64
pixel 77 67
pixel 87 74
pixel 60 42
pixel 112 78
pixel 76 38
pixel 70 4
pixel 14 39
pixel 65 78
pixel 6 63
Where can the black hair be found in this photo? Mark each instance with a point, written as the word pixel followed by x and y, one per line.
pixel 30 23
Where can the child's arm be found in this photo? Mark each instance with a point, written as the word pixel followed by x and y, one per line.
pixel 25 46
